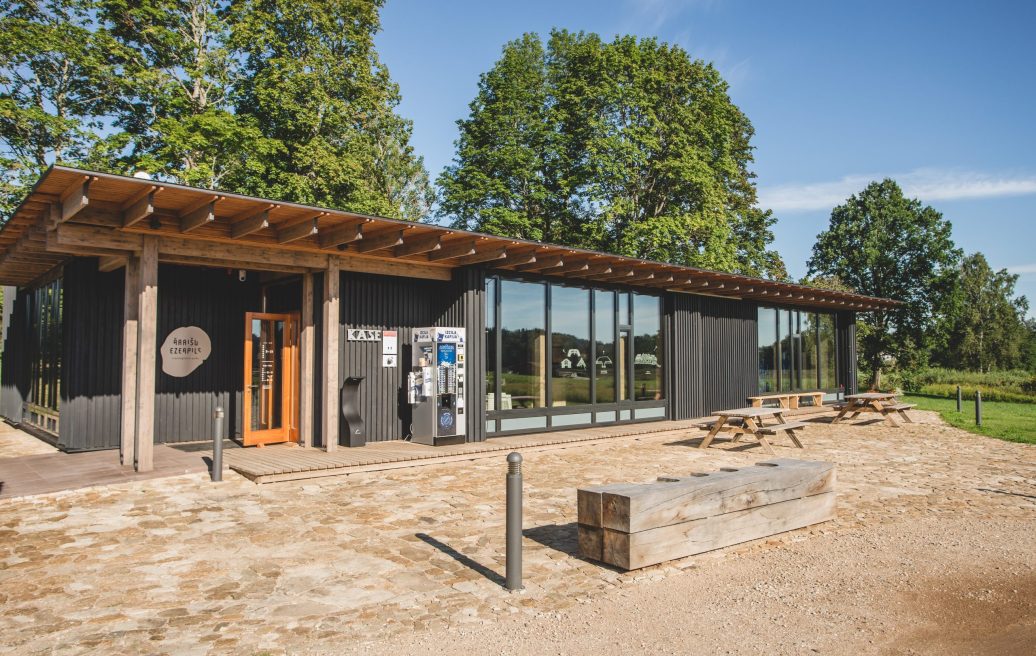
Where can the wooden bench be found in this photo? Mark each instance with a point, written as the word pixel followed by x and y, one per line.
pixel 788 400
pixel 901 409
pixel 635 525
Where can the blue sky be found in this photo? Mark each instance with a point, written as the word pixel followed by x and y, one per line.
pixel 938 95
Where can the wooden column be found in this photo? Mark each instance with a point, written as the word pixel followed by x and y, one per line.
pixel 330 353
pixel 130 320
pixel 147 344
pixel 307 374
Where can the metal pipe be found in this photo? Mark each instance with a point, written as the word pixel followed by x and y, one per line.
pixel 978 407
pixel 958 398
pixel 514 522
pixel 217 445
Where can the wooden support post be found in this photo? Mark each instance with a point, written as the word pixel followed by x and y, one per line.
pixel 307 334
pixel 130 318
pixel 330 352
pixel 147 344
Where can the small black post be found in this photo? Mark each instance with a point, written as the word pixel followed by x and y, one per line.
pixel 217 445
pixel 978 407
pixel 958 398
pixel 514 522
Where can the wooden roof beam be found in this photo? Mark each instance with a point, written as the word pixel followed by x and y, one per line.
pixel 200 215
pixel 340 235
pixel 111 263
pixel 514 259
pixel 493 254
pixel 76 197
pixel 140 207
pixel 543 263
pixel 307 228
pixel 250 224
pixel 465 248
pixel 379 241
pixel 418 244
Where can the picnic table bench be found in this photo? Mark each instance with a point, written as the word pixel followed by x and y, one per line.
pixel 882 403
pixel 789 400
pixel 751 423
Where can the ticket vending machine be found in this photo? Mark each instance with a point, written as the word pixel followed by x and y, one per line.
pixel 436 385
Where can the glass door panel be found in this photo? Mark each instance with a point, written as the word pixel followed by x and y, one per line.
pixel 271 378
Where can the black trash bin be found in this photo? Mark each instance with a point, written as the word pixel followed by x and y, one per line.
pixel 354 432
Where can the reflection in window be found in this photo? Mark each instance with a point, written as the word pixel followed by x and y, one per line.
pixel 807 347
pixel 647 348
pixel 490 344
pixel 828 375
pixel 570 345
pixel 767 350
pixel 604 329
pixel 523 345
pixel 787 352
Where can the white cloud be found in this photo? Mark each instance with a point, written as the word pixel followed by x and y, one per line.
pixel 925 184
pixel 1022 269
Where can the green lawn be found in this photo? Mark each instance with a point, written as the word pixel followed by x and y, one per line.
pixel 1015 422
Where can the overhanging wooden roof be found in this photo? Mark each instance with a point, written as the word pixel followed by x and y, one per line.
pixel 74 212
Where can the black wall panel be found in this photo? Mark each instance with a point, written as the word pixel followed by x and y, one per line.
pixel 686 392
pixel 215 301
pixel 730 353
pixel 846 344
pixel 14 370
pixel 91 389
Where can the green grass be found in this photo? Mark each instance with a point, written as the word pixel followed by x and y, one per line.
pixel 1014 422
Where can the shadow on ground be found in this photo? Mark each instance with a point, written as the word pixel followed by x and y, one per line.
pixel 461 558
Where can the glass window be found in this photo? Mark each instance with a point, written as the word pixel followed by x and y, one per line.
pixel 491 344
pixel 786 350
pixel 767 350
pixel 570 345
pixel 604 357
pixel 808 348
pixel 523 345
pixel 828 372
pixel 624 309
pixel 647 348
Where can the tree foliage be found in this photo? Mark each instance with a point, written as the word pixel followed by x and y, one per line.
pixel 883 244
pixel 629 147
pixel 268 97
pixel 984 322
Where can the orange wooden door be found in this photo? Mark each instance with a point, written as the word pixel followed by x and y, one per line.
pixel 271 378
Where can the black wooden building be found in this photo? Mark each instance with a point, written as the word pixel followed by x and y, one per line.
pixel 133 308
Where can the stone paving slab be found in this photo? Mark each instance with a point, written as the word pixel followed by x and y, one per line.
pixel 184 566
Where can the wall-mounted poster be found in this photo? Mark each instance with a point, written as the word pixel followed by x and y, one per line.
pixel 389 342
pixel 184 350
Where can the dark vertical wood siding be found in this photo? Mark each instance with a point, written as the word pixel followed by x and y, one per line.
pixel 91 386
pixel 215 301
pixel 14 370
pixel 685 356
pixel 846 345
pixel 730 353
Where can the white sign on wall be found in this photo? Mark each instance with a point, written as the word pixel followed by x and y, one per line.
pixel 390 342
pixel 184 350
pixel 362 335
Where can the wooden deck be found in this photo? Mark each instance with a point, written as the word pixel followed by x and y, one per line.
pixel 285 463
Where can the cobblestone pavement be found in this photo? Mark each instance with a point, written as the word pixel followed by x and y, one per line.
pixel 183 566
pixel 15 443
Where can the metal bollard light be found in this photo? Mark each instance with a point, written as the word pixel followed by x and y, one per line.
pixel 978 407
pixel 958 398
pixel 514 522
pixel 217 445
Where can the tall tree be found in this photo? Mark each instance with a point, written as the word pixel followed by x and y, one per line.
pixel 984 320
pixel 315 87
pixel 883 244
pixel 630 147
pixel 55 89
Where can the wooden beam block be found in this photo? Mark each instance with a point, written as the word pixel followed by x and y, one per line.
pixel 75 198
pixel 419 244
pixel 139 207
pixel 454 250
pixel 591 541
pixel 636 550
pixel 288 234
pixel 147 347
pixel 340 235
pixel 379 241
pixel 111 263
pixel 199 216
pixel 250 225
pixel 130 319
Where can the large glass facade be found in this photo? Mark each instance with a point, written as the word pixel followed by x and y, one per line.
pixel 523 345
pixel 570 346
pixel 571 355
pixel 796 351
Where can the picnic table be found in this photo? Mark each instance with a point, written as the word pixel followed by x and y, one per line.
pixel 787 399
pixel 882 403
pixel 752 424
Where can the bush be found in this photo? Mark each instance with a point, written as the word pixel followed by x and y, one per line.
pixel 944 390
